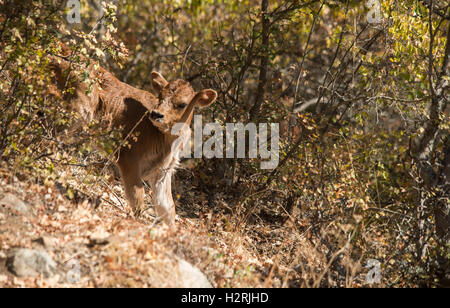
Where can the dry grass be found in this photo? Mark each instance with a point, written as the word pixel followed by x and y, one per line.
pixel 229 249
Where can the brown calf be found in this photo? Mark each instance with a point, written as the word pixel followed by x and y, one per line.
pixel 154 154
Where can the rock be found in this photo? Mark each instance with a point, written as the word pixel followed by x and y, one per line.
pixel 191 277
pixel 3 279
pixel 45 241
pixel 99 237
pixel 16 204
pixel 30 263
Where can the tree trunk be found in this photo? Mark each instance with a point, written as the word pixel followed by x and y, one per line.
pixel 265 33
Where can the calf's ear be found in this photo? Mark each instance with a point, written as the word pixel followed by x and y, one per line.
pixel 158 81
pixel 205 97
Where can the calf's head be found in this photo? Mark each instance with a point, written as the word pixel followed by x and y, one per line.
pixel 176 102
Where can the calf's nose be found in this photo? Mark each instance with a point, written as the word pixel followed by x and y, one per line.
pixel 156 115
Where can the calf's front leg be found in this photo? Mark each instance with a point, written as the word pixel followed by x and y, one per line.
pixel 161 183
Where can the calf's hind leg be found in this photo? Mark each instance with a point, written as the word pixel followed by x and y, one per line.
pixel 134 188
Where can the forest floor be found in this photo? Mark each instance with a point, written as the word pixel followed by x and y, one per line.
pixel 106 247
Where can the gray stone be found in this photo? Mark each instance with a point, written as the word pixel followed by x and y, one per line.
pixel 100 237
pixel 45 241
pixel 191 277
pixel 30 263
pixel 16 204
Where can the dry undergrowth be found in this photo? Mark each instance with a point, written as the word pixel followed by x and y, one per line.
pixel 115 250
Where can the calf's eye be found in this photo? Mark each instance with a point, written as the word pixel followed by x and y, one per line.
pixel 181 106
